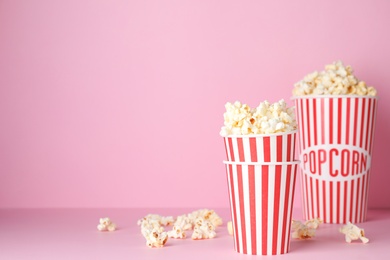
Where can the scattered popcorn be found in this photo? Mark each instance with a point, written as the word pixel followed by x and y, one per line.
pixel 265 119
pixel 230 227
pixel 105 224
pixel 177 232
pixel 353 232
pixel 336 79
pixel 202 221
pixel 156 238
pixel 301 231
pixel 313 223
pixel 203 229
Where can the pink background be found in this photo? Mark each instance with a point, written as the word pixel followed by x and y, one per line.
pixel 120 103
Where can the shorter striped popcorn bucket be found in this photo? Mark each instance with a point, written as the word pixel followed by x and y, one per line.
pixel 278 147
pixel 261 201
pixel 335 142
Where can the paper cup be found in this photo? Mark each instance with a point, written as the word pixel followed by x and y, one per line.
pixel 261 202
pixel 335 142
pixel 279 147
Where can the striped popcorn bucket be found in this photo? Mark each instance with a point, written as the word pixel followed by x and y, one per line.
pixel 261 202
pixel 335 143
pixel 279 147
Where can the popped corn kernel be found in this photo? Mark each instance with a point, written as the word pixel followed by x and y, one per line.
pixel 203 229
pixel 230 227
pixel 336 79
pixel 301 231
pixel 155 238
pixel 105 224
pixel 353 232
pixel 313 223
pixel 177 232
pixel 265 119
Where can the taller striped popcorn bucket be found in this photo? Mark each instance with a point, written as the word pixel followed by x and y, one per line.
pixel 278 147
pixel 261 201
pixel 335 144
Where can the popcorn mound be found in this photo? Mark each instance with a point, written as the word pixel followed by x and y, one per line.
pixel 336 79
pixel 240 119
pixel 203 223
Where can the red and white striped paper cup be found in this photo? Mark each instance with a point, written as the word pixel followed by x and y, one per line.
pixel 261 202
pixel 278 147
pixel 335 141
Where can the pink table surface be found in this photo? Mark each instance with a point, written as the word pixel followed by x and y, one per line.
pixel 72 234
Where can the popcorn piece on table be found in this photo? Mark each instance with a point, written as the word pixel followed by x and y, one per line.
pixel 230 227
pixel 156 238
pixel 206 214
pixel 164 221
pixel 177 232
pixel 203 229
pixel 265 119
pixel 301 231
pixel 336 79
pixel 184 222
pixel 313 223
pixel 105 224
pixel 352 232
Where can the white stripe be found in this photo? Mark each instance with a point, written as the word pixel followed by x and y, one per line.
pixel 321 197
pixel 247 214
pixel 344 122
pixel 359 122
pixel 293 146
pixel 327 202
pixel 260 149
pixel 342 213
pixel 326 120
pixel 281 208
pixel 284 147
pixel 335 120
pixel 334 203
pixel 247 149
pixel 358 206
pixel 273 148
pixel 231 201
pixel 352 120
pixel 290 205
pixel 348 217
pixel 311 119
pixel 259 215
pixel 237 200
pixel 365 120
pixel 228 149
pixel 235 149
pixel 271 188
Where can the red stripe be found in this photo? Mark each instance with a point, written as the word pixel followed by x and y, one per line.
pixel 324 198
pixel 322 121
pixel 366 194
pixel 331 201
pixel 312 197
pixel 357 200
pixel 302 126
pixel 362 124
pixel 355 121
pixel 231 149
pixel 351 204
pixel 264 196
pixel 286 204
pixel 315 120
pixel 226 150
pixel 318 199
pixel 369 124
pixel 292 199
pixel 253 149
pixel 279 148
pixel 234 212
pixel 330 120
pixel 345 201
pixel 308 122
pixel 338 218
pixel 340 113
pixel 289 147
pixel 373 126
pixel 362 202
pixel 307 198
pixel 348 112
pixel 240 147
pixel 278 177
pixel 242 208
pixel 266 144
pixel 302 175
pixel 252 203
